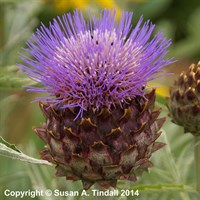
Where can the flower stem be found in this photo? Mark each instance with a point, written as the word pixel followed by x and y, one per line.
pixel 197 162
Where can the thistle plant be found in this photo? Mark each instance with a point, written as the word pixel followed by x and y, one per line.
pixel 184 108
pixel 101 125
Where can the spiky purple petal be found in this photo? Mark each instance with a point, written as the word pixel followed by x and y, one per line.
pixel 94 63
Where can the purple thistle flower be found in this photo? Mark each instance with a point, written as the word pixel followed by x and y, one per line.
pixel 96 63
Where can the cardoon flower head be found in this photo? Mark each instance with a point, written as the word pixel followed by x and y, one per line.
pixel 101 125
pixel 96 63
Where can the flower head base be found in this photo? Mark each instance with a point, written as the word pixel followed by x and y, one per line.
pixel 96 63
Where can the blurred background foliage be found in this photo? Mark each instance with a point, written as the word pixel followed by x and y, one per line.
pixel 172 177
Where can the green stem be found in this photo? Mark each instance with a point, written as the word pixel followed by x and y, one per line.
pixel 197 162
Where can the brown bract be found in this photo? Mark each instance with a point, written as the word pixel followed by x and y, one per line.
pixel 103 145
pixel 184 101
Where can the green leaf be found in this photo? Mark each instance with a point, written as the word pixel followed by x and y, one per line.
pixel 11 146
pixel 9 150
pixel 10 77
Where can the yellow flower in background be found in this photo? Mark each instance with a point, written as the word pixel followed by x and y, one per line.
pixel 110 4
pixel 161 90
pixel 63 5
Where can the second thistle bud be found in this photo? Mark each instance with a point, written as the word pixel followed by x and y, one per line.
pixel 184 101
